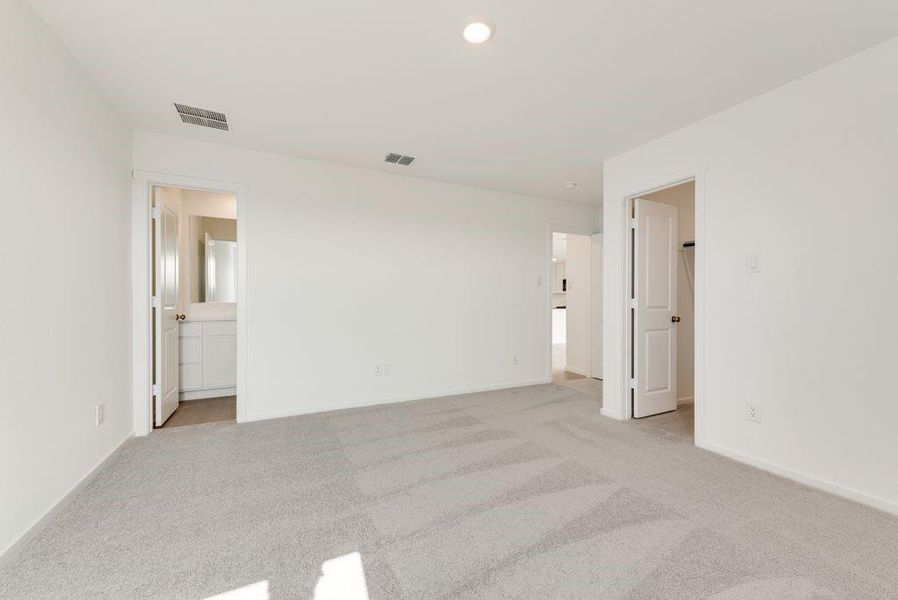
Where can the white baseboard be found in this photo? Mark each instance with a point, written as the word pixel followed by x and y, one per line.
pixel 577 371
pixel 317 408
pixel 686 399
pixel 610 414
pixel 815 482
pixel 16 546
pixel 203 394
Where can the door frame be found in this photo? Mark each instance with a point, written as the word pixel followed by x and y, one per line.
pixel 142 184
pixel 695 173
pixel 547 279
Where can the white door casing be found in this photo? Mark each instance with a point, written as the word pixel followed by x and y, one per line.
pixel 655 292
pixel 166 397
pixel 596 306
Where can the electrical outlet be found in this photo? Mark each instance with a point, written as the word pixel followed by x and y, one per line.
pixel 514 359
pixel 378 370
pixel 101 414
pixel 388 369
pixel 752 263
pixel 539 281
pixel 753 412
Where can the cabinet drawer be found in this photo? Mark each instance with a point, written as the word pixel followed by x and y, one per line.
pixel 190 350
pixel 191 376
pixel 191 330
pixel 220 328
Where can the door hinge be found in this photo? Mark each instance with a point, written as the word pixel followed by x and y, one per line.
pixel 633 384
pixel 632 302
pixel 155 301
pixel 156 212
pixel 156 389
pixel 634 224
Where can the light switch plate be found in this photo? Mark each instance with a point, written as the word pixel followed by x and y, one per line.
pixel 752 263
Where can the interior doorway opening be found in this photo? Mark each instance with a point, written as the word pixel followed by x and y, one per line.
pixel 194 275
pixel 661 298
pixel 575 286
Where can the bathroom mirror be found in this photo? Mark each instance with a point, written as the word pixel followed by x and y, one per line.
pixel 214 270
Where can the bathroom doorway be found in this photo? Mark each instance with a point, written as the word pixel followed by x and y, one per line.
pixel 189 264
pixel 194 300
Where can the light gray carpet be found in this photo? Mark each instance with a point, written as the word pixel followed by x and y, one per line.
pixel 524 493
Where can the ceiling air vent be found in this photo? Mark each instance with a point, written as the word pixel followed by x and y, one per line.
pixel 399 159
pixel 202 117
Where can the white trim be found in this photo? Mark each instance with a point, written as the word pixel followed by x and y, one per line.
pixel 605 412
pixel 577 371
pixel 205 394
pixel 318 408
pixel 547 282
pixel 17 545
pixel 141 279
pixel 815 482
pixel 697 173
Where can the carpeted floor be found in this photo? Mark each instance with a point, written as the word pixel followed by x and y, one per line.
pixel 524 493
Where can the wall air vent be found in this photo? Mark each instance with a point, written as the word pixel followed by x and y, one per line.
pixel 202 117
pixel 399 159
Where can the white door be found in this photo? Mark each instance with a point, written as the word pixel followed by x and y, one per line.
pixel 166 396
pixel 655 292
pixel 596 307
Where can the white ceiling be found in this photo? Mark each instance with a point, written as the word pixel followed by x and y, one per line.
pixel 562 86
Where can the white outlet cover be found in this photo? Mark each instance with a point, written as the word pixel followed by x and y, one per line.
pixel 752 263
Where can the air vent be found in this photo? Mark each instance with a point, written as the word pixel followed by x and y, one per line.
pixel 399 159
pixel 202 117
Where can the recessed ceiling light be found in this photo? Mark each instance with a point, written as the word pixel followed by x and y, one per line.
pixel 478 32
pixel 554 259
pixel 571 185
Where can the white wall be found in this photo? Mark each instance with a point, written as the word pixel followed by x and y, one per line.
pixel 596 308
pixel 559 325
pixel 803 176
pixel 683 197
pixel 327 248
pixel 578 307
pixel 65 160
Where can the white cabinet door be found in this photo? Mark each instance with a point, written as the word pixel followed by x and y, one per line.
pixel 219 355
pixel 655 286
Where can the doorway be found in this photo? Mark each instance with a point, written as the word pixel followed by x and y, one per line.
pixel 661 299
pixel 194 300
pixel 189 301
pixel 575 305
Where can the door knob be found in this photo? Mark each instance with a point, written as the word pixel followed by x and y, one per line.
pixel 675 319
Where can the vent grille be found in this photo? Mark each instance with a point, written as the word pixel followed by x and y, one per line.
pixel 202 117
pixel 399 159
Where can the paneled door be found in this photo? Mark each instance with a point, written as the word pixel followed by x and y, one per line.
pixel 655 311
pixel 166 306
